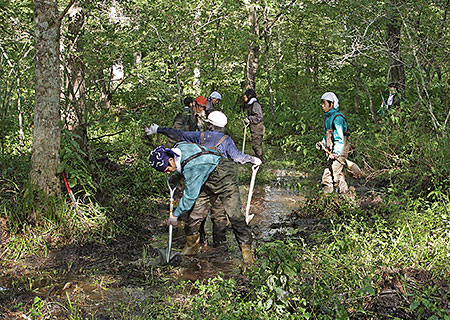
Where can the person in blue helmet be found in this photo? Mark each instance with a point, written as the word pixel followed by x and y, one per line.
pixel 336 140
pixel 212 103
pixel 216 139
pixel 207 175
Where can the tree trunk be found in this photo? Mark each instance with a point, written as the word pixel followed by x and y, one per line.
pixel 19 111
pixel 78 113
pixel 296 86
pixel 253 50
pixel 104 88
pixel 367 92
pixel 355 85
pixel 393 33
pixel 269 82
pixel 46 135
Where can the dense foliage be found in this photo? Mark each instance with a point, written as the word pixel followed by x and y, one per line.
pixel 139 58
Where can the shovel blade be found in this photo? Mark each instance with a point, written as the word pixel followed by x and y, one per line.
pixel 353 169
pixel 164 257
pixel 249 218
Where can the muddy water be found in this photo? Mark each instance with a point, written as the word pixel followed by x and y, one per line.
pixel 271 205
pixel 105 286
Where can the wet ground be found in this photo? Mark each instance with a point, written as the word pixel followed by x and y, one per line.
pixel 99 277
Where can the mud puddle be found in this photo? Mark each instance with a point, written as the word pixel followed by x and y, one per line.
pixel 129 270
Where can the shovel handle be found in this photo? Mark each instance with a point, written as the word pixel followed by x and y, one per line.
pixel 245 134
pixel 169 247
pixel 248 216
pixel 172 192
pixel 330 153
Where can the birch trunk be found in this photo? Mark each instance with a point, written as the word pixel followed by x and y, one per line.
pixel 46 134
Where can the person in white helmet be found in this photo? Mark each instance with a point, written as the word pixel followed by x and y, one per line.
pixel 336 140
pixel 216 139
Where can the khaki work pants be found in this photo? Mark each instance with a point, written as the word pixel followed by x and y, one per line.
pixel 333 175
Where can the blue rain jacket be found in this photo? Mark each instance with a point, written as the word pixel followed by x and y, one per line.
pixel 227 148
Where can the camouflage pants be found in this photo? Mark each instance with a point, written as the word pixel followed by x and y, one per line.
pixel 257 130
pixel 222 185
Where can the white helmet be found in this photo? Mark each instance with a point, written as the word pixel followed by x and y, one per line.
pixel 218 119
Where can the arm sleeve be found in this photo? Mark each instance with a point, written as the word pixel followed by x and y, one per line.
pixel 179 121
pixel 229 149
pixel 338 135
pixel 209 106
pixel 257 115
pixel 190 136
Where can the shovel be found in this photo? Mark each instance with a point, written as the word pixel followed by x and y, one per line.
pixel 351 166
pixel 248 216
pixel 245 133
pixel 165 254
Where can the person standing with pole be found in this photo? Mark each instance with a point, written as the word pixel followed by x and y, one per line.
pixel 255 120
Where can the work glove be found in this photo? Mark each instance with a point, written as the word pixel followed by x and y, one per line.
pixel 333 156
pixel 319 145
pixel 246 121
pixel 153 129
pixel 257 161
pixel 172 220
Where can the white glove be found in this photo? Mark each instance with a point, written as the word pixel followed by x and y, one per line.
pixel 153 129
pixel 257 161
pixel 246 121
pixel 172 220
pixel 319 145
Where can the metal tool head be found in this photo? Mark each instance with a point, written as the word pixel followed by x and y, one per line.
pixel 164 256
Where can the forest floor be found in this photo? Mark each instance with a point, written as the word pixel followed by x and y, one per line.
pixel 109 280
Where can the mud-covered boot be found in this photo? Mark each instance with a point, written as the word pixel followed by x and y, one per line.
pixel 247 255
pixel 192 246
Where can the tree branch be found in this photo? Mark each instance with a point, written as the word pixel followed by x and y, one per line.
pixel 274 20
pixel 63 14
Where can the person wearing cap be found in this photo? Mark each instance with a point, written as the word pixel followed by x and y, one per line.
pixel 213 102
pixel 336 140
pixel 214 138
pixel 393 100
pixel 199 109
pixel 255 120
pixel 184 120
pixel 208 175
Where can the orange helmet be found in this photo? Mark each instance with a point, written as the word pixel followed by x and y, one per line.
pixel 201 100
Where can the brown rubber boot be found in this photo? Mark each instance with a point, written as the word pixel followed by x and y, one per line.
pixel 192 246
pixel 247 255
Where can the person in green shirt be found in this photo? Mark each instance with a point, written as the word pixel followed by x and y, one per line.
pixel 207 175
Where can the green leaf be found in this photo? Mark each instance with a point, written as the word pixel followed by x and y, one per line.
pixel 61 167
pixel 414 305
